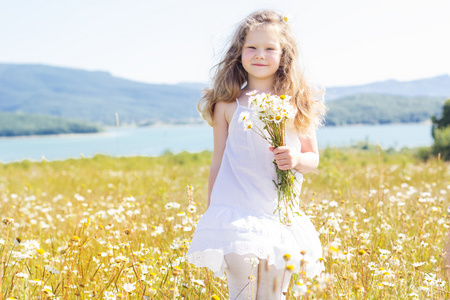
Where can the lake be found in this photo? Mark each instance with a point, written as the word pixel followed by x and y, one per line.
pixel 152 141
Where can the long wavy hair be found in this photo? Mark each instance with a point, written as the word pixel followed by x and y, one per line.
pixel 230 76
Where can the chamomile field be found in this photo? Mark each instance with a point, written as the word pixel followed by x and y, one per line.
pixel 119 228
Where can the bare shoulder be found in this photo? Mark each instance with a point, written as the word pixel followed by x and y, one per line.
pixel 224 111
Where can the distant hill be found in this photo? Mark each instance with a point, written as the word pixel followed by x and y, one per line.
pixel 434 87
pixel 93 96
pixel 382 109
pixel 15 124
pixel 96 96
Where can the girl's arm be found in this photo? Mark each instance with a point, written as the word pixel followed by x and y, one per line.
pixel 308 159
pixel 220 130
pixel 305 161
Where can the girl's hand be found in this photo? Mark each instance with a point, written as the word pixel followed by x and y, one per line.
pixel 285 157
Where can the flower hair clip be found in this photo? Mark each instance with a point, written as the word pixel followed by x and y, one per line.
pixel 287 19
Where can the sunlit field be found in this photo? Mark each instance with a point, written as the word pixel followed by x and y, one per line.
pixel 119 228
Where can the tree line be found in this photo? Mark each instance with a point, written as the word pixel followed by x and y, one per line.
pixel 381 109
pixel 17 124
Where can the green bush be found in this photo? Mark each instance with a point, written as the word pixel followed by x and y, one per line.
pixel 441 133
pixel 442 143
pixel 444 121
pixel 423 153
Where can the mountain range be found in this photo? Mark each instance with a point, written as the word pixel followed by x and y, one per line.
pixel 93 95
pixel 438 86
pixel 96 96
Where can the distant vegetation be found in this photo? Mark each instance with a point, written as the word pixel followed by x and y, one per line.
pixel 441 133
pixel 16 124
pixel 382 109
pixel 95 96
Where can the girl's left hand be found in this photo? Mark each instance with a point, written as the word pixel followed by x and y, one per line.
pixel 285 157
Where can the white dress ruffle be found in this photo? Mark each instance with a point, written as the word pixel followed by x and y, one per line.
pixel 241 219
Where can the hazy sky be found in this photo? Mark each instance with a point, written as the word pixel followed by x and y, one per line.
pixel 343 42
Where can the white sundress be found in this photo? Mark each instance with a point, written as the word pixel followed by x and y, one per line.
pixel 240 217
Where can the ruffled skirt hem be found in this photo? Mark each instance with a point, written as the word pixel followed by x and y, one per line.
pixel 214 260
pixel 224 230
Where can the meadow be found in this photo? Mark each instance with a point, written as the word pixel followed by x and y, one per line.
pixel 119 228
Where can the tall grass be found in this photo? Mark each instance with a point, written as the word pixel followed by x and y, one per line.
pixel 119 228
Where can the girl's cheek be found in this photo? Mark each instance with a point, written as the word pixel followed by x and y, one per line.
pixel 246 53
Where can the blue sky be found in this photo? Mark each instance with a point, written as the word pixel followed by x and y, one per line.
pixel 343 42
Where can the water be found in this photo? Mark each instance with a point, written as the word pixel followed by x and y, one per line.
pixel 151 141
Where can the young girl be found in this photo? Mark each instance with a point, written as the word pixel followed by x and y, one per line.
pixel 239 233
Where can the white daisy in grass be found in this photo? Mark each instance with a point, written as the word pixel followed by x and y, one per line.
pixel 110 295
pixel 22 275
pixel 383 251
pixel 20 255
pixel 30 245
pixel 129 287
pixel 372 266
pixel 121 258
pixel 36 281
pixel 198 282
pixel 192 208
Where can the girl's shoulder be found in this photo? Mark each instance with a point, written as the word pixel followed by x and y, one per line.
pixel 225 109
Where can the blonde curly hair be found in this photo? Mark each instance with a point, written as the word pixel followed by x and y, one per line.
pixel 230 76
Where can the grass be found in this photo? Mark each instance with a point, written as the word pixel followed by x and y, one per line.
pixel 118 228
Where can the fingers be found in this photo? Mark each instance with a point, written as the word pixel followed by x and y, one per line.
pixel 280 149
pixel 282 152
pixel 284 163
pixel 284 166
pixel 283 157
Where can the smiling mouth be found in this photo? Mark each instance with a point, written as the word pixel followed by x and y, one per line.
pixel 259 65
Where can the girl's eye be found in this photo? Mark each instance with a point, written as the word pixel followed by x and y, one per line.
pixel 270 49
pixel 251 47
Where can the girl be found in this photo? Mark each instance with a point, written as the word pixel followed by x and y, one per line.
pixel 239 233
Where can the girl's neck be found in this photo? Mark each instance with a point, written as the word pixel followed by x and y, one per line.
pixel 263 86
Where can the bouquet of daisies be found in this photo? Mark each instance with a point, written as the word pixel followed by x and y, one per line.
pixel 274 111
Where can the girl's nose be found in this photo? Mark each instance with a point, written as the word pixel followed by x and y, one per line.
pixel 259 54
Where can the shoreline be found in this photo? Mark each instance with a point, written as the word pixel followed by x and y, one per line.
pixel 110 129
pixel 31 136
pixel 427 122
pixel 83 157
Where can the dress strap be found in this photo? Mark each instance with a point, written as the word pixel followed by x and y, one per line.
pixel 238 102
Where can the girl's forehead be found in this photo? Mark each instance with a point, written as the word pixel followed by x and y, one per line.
pixel 271 28
pixel 264 31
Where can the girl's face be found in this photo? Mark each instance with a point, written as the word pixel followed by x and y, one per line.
pixel 261 53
